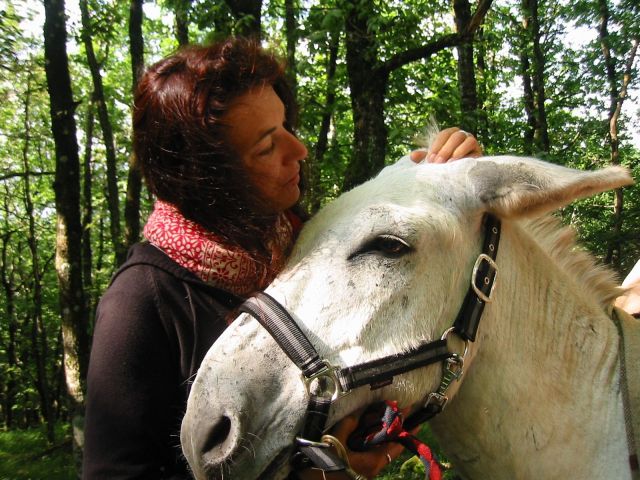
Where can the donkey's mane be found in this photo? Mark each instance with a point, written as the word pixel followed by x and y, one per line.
pixel 559 241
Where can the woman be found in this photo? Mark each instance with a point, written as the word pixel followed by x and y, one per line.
pixel 213 137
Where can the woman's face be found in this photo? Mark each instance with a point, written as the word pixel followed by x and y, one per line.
pixel 269 152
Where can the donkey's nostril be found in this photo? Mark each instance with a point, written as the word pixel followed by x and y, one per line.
pixel 217 434
pixel 210 443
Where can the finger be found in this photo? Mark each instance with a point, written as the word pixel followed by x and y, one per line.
pixel 468 148
pixel 455 140
pixel 346 426
pixel 394 450
pixel 371 462
pixel 368 463
pixel 441 139
pixel 418 155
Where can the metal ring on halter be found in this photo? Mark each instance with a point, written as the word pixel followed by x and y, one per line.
pixel 451 330
pixel 330 387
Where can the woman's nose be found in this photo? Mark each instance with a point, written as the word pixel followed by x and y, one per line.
pixel 297 151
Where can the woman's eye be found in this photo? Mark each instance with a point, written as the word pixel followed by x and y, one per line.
pixel 268 150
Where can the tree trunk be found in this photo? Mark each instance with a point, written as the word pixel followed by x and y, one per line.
pixel 538 82
pixel 113 199
pixel 481 84
pixel 40 352
pixel 134 180
pixel 248 15
pixel 39 333
pixel 368 79
pixel 291 33
pixel 534 52
pixel 87 211
pixel 316 193
pixel 6 275
pixel 101 247
pixel 67 200
pixel 616 99
pixel 528 95
pixel 182 8
pixel 368 85
pixel 136 41
pixel 466 70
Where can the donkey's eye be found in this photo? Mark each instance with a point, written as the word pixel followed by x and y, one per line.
pixel 387 245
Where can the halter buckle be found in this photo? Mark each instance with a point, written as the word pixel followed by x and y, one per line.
pixel 483 257
pixel 330 387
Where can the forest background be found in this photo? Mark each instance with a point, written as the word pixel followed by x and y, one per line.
pixel 554 79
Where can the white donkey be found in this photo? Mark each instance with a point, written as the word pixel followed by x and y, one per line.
pixel 383 270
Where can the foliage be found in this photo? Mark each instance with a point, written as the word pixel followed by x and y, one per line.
pixel 26 454
pixel 409 467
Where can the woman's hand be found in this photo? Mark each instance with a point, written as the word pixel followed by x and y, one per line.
pixel 630 300
pixel 450 144
pixel 368 464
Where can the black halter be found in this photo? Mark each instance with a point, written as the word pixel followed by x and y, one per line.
pixel 325 383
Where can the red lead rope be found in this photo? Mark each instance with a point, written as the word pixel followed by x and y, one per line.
pixel 376 430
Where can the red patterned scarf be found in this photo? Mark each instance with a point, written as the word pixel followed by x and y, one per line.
pixel 201 252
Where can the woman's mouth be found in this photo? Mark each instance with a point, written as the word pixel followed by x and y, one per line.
pixel 294 180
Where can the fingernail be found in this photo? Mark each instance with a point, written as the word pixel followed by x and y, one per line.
pixel 439 159
pixel 430 157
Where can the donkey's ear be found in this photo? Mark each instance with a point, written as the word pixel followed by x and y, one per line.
pixel 520 186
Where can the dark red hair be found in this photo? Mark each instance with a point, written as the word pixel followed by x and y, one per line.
pixel 179 137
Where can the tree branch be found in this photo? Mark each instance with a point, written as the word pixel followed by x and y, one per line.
pixel 478 17
pixel 10 175
pixel 424 51
pixel 435 46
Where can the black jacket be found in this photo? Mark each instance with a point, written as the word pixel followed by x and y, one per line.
pixel 154 324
